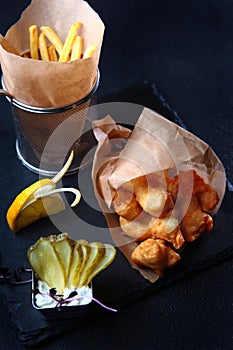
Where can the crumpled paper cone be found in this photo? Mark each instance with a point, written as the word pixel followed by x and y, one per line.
pixel 154 145
pixel 51 84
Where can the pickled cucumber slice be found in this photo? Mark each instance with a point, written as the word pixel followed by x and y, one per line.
pixel 96 254
pixel 107 259
pixel 86 249
pixel 75 265
pixel 44 261
pixel 62 263
pixel 63 246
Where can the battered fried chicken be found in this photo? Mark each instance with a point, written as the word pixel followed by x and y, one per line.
pixel 195 221
pixel 206 195
pixel 182 183
pixel 125 204
pixel 152 196
pixel 144 206
pixel 168 229
pixel 137 229
pixel 155 254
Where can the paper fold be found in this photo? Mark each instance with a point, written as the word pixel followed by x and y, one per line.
pixel 51 84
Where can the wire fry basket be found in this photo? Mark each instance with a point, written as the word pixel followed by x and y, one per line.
pixel 45 136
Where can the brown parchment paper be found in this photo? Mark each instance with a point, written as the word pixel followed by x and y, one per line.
pixel 155 144
pixel 51 84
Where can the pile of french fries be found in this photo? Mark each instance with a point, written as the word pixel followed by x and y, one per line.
pixel 47 45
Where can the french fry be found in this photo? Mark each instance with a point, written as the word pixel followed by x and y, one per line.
pixel 55 50
pixel 52 53
pixel 43 47
pixel 34 42
pixel 26 55
pixel 53 38
pixel 65 53
pixel 89 51
pixel 76 51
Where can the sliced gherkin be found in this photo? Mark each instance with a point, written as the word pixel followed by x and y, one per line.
pixel 107 259
pixel 86 249
pixel 44 261
pixel 96 254
pixel 63 246
pixel 75 265
pixel 61 262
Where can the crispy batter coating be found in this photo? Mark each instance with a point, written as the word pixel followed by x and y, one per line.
pixel 195 221
pixel 125 204
pixel 168 229
pixel 138 229
pixel 206 195
pixel 182 183
pixel 144 206
pixel 155 254
pixel 172 186
pixel 152 196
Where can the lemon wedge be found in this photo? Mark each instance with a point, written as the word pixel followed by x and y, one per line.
pixel 40 200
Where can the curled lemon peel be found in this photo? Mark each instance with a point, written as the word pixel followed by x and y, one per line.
pixel 62 172
pixel 63 189
pixel 40 200
pixel 50 189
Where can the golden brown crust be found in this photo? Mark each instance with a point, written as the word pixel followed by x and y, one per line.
pixel 206 195
pixel 172 186
pixel 125 204
pixel 144 206
pixel 152 197
pixel 195 221
pixel 137 229
pixel 167 229
pixel 155 254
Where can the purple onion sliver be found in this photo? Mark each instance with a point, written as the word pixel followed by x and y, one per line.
pixel 69 300
pixel 20 282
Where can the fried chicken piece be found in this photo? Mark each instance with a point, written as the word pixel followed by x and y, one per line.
pixel 172 186
pixel 207 197
pixel 152 196
pixel 155 254
pixel 125 204
pixel 156 179
pixel 137 229
pixel 195 222
pixel 168 229
pixel 182 183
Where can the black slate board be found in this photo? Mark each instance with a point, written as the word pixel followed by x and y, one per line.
pixel 116 286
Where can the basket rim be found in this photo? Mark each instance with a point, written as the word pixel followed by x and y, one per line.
pixel 51 110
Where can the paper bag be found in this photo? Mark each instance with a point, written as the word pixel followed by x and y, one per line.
pixel 154 145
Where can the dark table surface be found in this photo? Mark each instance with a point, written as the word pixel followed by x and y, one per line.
pixel 185 49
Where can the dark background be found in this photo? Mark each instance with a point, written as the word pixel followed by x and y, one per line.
pixel 185 48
